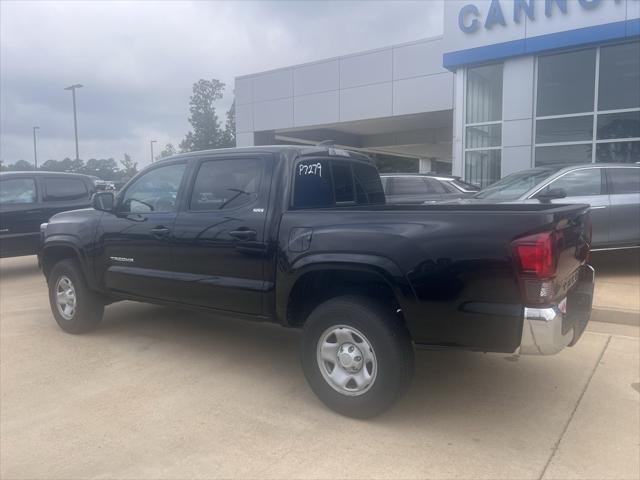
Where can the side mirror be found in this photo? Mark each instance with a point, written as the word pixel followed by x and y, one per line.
pixel 551 194
pixel 104 201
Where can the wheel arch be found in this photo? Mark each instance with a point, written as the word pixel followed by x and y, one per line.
pixel 316 278
pixel 61 248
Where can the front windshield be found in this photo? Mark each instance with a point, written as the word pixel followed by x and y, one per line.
pixel 513 186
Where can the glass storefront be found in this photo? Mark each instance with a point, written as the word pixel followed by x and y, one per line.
pixel 588 105
pixel 483 124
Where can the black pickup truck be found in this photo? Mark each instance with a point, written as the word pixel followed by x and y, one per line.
pixel 301 236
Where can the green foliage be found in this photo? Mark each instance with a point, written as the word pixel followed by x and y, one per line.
pixel 19 166
pixel 229 134
pixel 207 133
pixel 103 168
pixel 168 151
pixel 129 167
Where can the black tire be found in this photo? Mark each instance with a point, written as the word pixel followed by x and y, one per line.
pixel 89 307
pixel 389 340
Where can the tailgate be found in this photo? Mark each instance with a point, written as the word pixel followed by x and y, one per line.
pixel 572 243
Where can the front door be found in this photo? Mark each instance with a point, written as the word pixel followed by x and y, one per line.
pixel 219 240
pixel 135 242
pixel 20 216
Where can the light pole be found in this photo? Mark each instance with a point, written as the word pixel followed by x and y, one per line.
pixel 152 142
pixel 75 116
pixel 35 150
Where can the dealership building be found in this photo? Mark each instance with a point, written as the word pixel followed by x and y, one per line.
pixel 510 84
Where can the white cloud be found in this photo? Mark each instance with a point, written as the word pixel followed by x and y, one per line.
pixel 138 60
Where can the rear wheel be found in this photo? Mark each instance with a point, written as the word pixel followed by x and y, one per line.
pixel 356 355
pixel 75 307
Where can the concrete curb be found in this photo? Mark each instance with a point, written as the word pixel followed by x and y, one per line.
pixel 608 315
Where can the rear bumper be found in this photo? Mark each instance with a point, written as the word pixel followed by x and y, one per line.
pixel 546 331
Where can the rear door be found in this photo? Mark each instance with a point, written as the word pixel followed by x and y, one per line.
pixel 586 185
pixel 219 247
pixel 20 216
pixel 624 191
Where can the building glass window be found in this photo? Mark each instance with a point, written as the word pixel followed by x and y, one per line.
pixel 566 83
pixel 588 106
pixel 483 124
pixel 619 77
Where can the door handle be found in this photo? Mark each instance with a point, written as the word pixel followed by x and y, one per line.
pixel 160 231
pixel 598 207
pixel 243 234
pixel 33 212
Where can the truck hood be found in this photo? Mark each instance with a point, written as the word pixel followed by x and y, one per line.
pixel 74 223
pixel 74 216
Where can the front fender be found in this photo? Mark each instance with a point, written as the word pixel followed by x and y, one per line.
pixel 56 246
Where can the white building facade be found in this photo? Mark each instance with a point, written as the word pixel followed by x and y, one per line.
pixel 511 84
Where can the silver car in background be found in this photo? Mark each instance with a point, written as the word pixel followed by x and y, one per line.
pixel 612 190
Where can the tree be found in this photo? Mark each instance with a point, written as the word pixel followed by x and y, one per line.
pixel 229 134
pixel 104 168
pixel 168 151
pixel 66 165
pixel 129 168
pixel 206 132
pixel 20 165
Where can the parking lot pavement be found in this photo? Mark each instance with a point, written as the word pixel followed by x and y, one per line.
pixel 617 293
pixel 161 393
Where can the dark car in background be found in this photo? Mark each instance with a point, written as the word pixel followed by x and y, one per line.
pixel 417 188
pixel 612 190
pixel 28 199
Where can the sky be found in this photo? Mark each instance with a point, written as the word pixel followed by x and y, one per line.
pixel 137 62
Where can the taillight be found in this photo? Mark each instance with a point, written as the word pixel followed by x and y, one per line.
pixel 536 256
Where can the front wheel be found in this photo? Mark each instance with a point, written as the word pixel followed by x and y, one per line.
pixel 75 307
pixel 356 355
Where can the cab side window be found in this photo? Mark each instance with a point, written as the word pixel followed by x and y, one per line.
pixel 368 185
pixel 579 183
pixel 408 186
pixel 64 189
pixel 225 184
pixel 155 191
pixel 624 180
pixel 14 191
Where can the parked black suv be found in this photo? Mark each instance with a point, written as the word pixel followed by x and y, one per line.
pixel 28 199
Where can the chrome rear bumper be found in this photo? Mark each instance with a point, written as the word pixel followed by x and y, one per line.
pixel 546 331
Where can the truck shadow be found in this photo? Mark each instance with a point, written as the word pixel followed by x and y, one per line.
pixel 481 388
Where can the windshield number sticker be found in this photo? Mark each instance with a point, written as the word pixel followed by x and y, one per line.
pixel 312 169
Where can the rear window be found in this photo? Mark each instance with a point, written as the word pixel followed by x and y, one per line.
pixel 369 189
pixel 407 186
pixel 326 183
pixel 624 180
pixel 59 189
